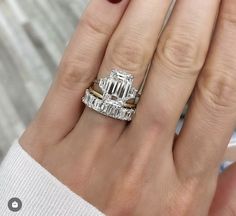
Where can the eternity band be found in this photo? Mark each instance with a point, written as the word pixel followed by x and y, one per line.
pixel 107 109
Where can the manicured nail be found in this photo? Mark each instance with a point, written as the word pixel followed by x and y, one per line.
pixel 114 1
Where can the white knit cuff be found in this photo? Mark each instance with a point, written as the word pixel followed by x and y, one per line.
pixel 40 192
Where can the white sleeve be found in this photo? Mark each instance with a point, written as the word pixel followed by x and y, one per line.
pixel 40 192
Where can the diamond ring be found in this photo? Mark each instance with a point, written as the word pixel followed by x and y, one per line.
pixel 117 91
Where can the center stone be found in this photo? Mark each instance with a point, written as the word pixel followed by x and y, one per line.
pixel 118 87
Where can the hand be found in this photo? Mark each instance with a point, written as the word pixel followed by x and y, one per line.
pixel 140 168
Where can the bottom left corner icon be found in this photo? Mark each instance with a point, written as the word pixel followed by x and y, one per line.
pixel 14 204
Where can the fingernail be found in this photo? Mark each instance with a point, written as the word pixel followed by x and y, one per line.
pixel 114 1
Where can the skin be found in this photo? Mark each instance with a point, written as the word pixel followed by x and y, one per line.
pixel 142 168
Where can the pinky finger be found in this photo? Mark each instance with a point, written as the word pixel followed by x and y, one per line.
pixel 224 202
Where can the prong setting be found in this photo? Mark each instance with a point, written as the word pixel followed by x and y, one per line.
pixel 116 89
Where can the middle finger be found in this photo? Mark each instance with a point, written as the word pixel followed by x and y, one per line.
pixel 178 60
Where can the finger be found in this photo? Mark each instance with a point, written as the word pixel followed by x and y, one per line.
pixel 131 49
pixel 225 197
pixel 212 113
pixel 179 58
pixel 77 70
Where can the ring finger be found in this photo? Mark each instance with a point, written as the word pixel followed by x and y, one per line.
pixel 131 49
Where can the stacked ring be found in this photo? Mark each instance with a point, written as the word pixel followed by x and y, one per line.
pixel 117 90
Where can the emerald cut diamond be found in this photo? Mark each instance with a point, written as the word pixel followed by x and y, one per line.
pixel 117 87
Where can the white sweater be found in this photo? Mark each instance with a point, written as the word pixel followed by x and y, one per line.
pixel 40 192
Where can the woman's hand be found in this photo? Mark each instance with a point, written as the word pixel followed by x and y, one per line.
pixel 140 168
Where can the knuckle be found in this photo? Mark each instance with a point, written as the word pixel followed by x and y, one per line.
pixel 180 53
pixel 128 54
pixel 199 168
pixel 155 120
pixel 94 24
pixel 74 73
pixel 158 124
pixel 217 91
pixel 197 185
pixel 229 18
pixel 228 13
pixel 230 210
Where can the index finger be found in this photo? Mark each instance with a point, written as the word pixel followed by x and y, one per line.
pixel 79 66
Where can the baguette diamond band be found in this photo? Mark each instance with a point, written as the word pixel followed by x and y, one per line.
pixel 107 109
pixel 117 90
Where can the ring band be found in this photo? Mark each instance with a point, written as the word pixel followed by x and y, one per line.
pixel 110 110
pixel 116 89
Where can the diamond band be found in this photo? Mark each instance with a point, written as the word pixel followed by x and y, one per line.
pixel 117 90
pixel 108 109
